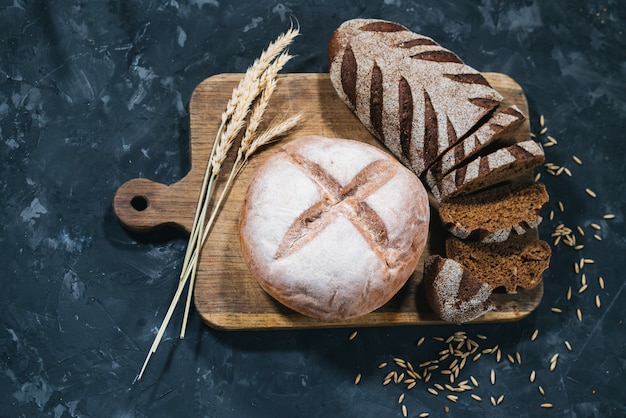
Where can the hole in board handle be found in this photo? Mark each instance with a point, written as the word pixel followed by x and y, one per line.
pixel 139 203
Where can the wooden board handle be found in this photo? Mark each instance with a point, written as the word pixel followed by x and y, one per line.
pixel 142 205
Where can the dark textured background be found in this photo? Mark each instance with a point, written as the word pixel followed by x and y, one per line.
pixel 94 93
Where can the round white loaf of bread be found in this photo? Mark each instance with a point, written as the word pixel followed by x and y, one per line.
pixel 333 228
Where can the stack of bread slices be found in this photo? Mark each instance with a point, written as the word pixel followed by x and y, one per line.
pixel 443 120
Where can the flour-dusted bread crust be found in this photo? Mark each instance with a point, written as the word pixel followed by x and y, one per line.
pixel 415 96
pixel 487 170
pixel 492 215
pixel 500 124
pixel 333 228
pixel 453 293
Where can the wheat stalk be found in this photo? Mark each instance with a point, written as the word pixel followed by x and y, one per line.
pixel 258 83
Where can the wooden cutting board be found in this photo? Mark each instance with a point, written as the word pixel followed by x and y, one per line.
pixel 226 295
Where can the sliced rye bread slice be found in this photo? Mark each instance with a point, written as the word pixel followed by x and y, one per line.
pixel 516 262
pixel 487 170
pixel 500 124
pixel 491 215
pixel 453 293
pixel 416 97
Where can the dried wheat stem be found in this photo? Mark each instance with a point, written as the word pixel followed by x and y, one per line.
pixel 265 86
pixel 232 121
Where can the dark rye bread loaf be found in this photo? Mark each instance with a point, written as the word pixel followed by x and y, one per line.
pixel 500 124
pixel 453 293
pixel 516 262
pixel 486 170
pixel 491 215
pixel 416 97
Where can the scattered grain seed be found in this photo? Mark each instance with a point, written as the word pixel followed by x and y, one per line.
pixel 537 177
pixel 532 376
pixel 511 359
pixel 543 392
pixel 561 207
pixel 477 356
pixel 357 379
pixel 595 226
pixel 579 247
pixel 411 386
pixel 551 217
pixel 568 172
pixel 543 130
pixel 580 231
pixel 556 310
pixel 568 296
pixel 576 268
pixel 579 314
pixel 404 411
pixel 382 365
pixel 546 405
pixel 424 415
pixel 609 216
pixel 493 400
pixel 542 121
pixel 552 139
pixel 597 301
pixel 582 288
pixel 420 341
pixel 601 282
pixel 498 355
pixel 590 192
pixel 453 398
pixel 589 260
pixel 568 345
pixel 386 382
pixel 560 171
pixel 353 335
pixel 481 336
pixel 446 409
pixel 492 377
pixel 427 377
pixel 474 381
pixel 518 357
pixel 552 366
pixel 500 399
pixel 401 398
pixel 476 397
pixel 534 336
pixel 597 237
pixel 438 339
pixel 554 358
pixel 577 160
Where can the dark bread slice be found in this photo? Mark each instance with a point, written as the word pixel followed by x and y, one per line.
pixel 515 262
pixel 491 215
pixel 487 170
pixel 499 124
pixel 453 293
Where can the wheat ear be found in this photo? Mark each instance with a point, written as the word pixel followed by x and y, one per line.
pixel 223 141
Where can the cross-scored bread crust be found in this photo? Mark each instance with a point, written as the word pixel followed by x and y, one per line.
pixel 333 228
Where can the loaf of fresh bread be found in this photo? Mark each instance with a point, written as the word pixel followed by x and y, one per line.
pixel 416 97
pixel 516 262
pixel 453 293
pixel 492 215
pixel 333 228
